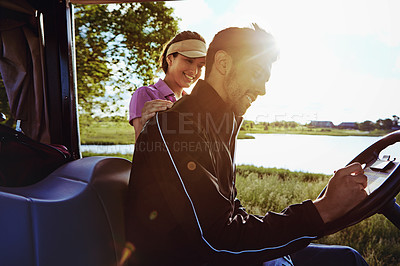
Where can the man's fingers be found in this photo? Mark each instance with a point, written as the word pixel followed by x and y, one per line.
pixel 360 179
pixel 356 173
pixel 354 168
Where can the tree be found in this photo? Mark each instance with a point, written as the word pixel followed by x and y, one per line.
pixel 367 126
pixel 379 124
pixel 116 44
pixel 386 124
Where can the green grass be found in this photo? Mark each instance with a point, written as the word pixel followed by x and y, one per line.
pixel 269 189
pixel 303 130
pixel 262 189
pixel 243 135
pixel 125 156
pixel 107 133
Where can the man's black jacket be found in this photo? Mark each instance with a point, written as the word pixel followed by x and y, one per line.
pixel 182 207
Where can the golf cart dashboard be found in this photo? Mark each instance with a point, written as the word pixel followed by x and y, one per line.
pixel 378 172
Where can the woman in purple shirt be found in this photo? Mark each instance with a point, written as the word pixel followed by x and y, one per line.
pixel 182 61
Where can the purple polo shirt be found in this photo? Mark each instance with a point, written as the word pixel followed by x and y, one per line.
pixel 160 90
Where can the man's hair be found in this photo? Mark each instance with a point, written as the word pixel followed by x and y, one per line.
pixel 240 43
pixel 184 35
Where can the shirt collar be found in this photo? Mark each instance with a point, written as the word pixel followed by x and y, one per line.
pixel 162 87
pixel 168 94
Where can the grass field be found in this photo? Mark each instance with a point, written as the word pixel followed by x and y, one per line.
pixel 108 133
pixel 269 189
pixel 304 130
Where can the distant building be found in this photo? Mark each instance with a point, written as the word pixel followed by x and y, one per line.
pixel 348 125
pixel 323 124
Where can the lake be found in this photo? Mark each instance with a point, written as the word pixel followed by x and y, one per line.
pixel 307 153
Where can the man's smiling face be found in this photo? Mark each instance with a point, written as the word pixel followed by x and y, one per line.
pixel 245 81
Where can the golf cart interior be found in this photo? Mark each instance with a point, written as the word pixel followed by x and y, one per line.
pixel 74 216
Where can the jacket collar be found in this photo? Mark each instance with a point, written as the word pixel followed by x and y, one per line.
pixel 209 99
pixel 223 117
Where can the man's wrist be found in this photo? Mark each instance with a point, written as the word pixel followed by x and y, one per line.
pixel 325 211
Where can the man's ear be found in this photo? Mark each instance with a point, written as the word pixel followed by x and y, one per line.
pixel 222 62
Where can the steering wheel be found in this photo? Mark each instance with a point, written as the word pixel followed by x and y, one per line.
pixel 383 185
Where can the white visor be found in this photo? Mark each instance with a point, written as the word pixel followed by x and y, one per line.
pixel 191 48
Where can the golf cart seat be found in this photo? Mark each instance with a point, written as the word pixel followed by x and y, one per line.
pixel 72 217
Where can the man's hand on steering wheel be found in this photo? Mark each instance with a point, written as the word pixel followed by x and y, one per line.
pixel 345 190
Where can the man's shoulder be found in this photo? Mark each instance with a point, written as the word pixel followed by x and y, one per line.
pixel 188 104
pixel 163 119
pixel 173 124
pixel 168 118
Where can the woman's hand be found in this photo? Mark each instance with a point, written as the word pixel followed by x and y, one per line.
pixel 148 111
pixel 151 107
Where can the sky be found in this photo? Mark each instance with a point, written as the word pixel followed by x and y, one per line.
pixel 339 60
